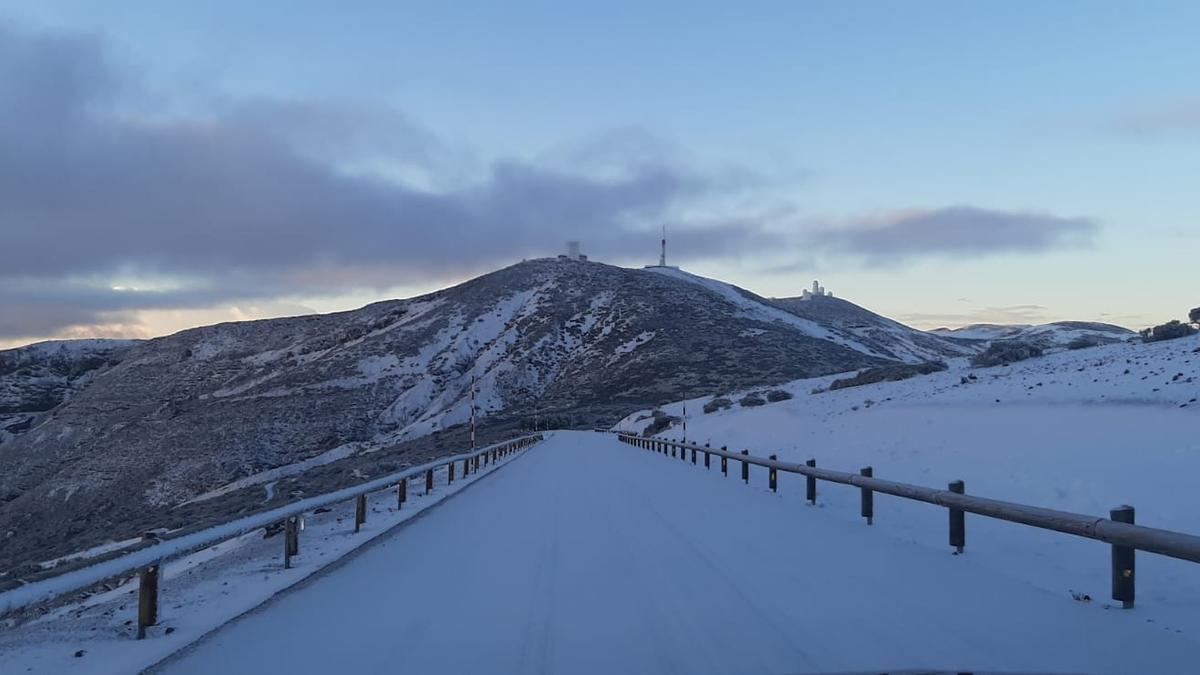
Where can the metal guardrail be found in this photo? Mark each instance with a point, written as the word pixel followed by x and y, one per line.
pixel 1118 530
pixel 147 561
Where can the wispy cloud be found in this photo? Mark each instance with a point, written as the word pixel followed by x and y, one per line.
pixel 1011 314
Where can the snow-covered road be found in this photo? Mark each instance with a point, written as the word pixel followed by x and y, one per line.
pixel 589 556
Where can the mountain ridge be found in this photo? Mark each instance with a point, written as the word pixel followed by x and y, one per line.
pixel 581 343
pixel 221 411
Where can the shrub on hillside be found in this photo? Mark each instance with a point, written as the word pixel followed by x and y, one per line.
pixel 1194 316
pixel 777 395
pixel 1005 352
pixel 1083 343
pixel 751 400
pixel 662 422
pixel 1168 331
pixel 893 373
pixel 717 404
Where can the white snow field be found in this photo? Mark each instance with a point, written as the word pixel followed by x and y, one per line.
pixel 586 555
pixel 1080 431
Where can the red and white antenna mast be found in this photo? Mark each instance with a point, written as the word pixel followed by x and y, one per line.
pixel 662 257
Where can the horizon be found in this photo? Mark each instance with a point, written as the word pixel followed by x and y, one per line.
pixel 5 345
pixel 942 165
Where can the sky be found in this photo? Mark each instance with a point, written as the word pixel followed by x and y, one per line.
pixel 167 165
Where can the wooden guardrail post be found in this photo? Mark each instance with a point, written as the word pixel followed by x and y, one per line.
pixel 360 512
pixel 958 520
pixel 707 456
pixel 724 463
pixel 401 493
pixel 450 473
pixel 868 496
pixel 810 484
pixel 147 599
pixel 428 481
pixel 745 469
pixel 1123 580
pixel 466 467
pixel 771 477
pixel 693 456
pixel 291 541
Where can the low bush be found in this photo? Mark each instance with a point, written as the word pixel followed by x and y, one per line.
pixel 777 395
pixel 717 404
pixel 894 373
pixel 1082 343
pixel 751 401
pixel 662 422
pixel 1005 352
pixel 1167 331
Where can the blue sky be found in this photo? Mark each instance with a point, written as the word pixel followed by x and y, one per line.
pixel 781 141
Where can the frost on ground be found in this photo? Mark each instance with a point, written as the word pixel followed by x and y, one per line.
pixel 203 590
pixel 1080 431
pixel 591 556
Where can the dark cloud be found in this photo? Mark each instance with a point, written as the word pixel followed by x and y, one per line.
pixel 45 307
pixel 283 196
pixel 959 231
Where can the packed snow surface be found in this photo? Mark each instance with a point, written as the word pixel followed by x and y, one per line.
pixel 587 555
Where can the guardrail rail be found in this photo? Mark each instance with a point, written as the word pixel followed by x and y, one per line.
pixel 147 561
pixel 1118 529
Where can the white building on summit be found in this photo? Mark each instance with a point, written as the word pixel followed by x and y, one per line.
pixel 573 253
pixel 818 291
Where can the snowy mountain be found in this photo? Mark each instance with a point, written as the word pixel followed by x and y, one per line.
pixel 1046 336
pixel 836 320
pixel 205 415
pixel 36 378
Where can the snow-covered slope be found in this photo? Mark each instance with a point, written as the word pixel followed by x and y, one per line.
pixel 877 334
pixel 835 320
pixel 219 410
pixel 1047 335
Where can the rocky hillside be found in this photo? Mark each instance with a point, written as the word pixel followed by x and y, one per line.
pixel 885 337
pixel 37 378
pixel 208 411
